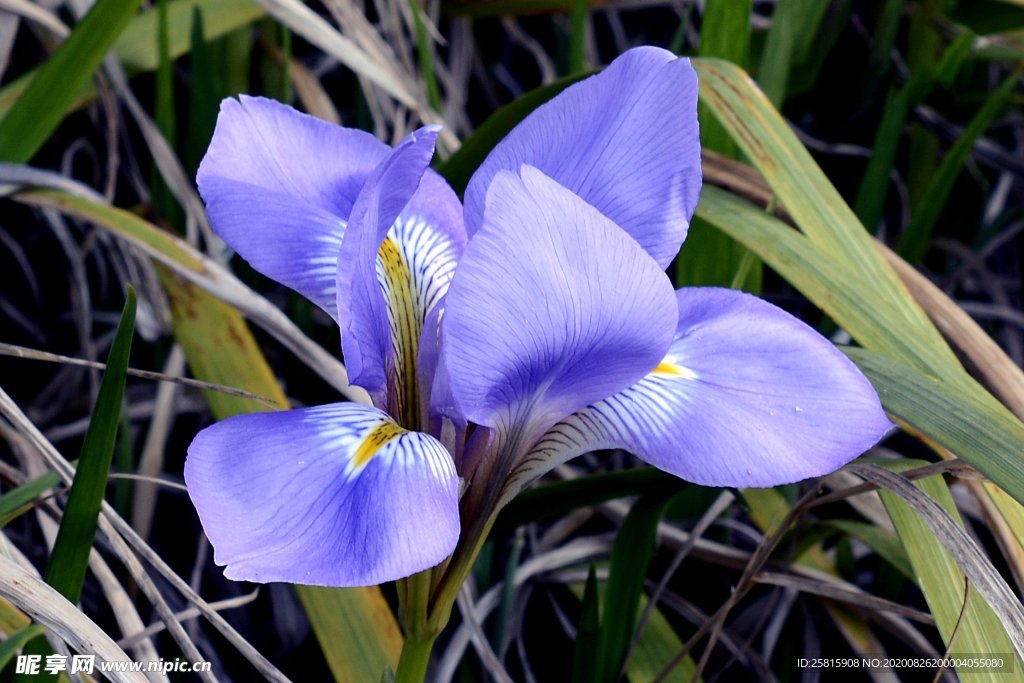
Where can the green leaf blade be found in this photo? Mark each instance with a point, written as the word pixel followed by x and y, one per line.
pixel 709 257
pixel 915 239
pixel 801 186
pixel 979 431
pixel 66 569
pixel 631 554
pixel 19 498
pixel 965 628
pixel 51 93
pixel 588 633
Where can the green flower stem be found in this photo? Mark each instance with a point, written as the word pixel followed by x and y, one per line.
pixel 426 599
pixel 455 574
pixel 413 599
pixel 479 511
pixel 412 665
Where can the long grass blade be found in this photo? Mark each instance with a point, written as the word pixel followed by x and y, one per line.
pixel 14 642
pixel 793 21
pixel 588 633
pixel 800 185
pixel 65 570
pixel 51 609
pixel 708 256
pixel 631 553
pixel 198 269
pixel 426 56
pixel 942 554
pixel 137 50
pixel 20 498
pixel 980 431
pixel 50 94
pixel 914 240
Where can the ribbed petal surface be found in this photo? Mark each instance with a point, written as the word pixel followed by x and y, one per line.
pixel 553 307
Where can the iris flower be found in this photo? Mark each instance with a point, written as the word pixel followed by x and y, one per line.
pixel 499 337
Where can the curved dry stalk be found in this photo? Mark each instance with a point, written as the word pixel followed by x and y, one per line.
pixel 572 553
pixel 971 559
pixel 127 617
pixel 38 15
pixel 206 273
pixel 721 504
pixel 16 351
pixel 64 469
pixel 855 598
pixel 869 504
pixel 476 635
pixel 155 481
pixel 151 461
pixel 8 31
pixel 299 18
pixel 16 177
pixel 123 539
pixel 308 89
pixel 998 372
pixel 741 651
pixel 171 170
pixel 80 295
pixel 51 609
pixel 184 615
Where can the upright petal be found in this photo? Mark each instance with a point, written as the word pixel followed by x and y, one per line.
pixel 625 140
pixel 398 256
pixel 431 236
pixel 746 396
pixel 279 187
pixel 337 495
pixel 552 307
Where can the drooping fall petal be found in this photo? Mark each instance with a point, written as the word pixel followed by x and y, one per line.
pixel 746 396
pixel 337 495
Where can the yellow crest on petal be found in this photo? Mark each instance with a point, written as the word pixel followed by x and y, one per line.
pixel 667 368
pixel 375 440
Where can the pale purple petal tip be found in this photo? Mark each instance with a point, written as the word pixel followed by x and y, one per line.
pixel 279 186
pixel 625 140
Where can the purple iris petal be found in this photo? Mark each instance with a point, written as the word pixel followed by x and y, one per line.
pixel 553 307
pixel 746 396
pixel 394 267
pixel 362 309
pixel 624 140
pixel 336 495
pixel 279 187
pixel 430 237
